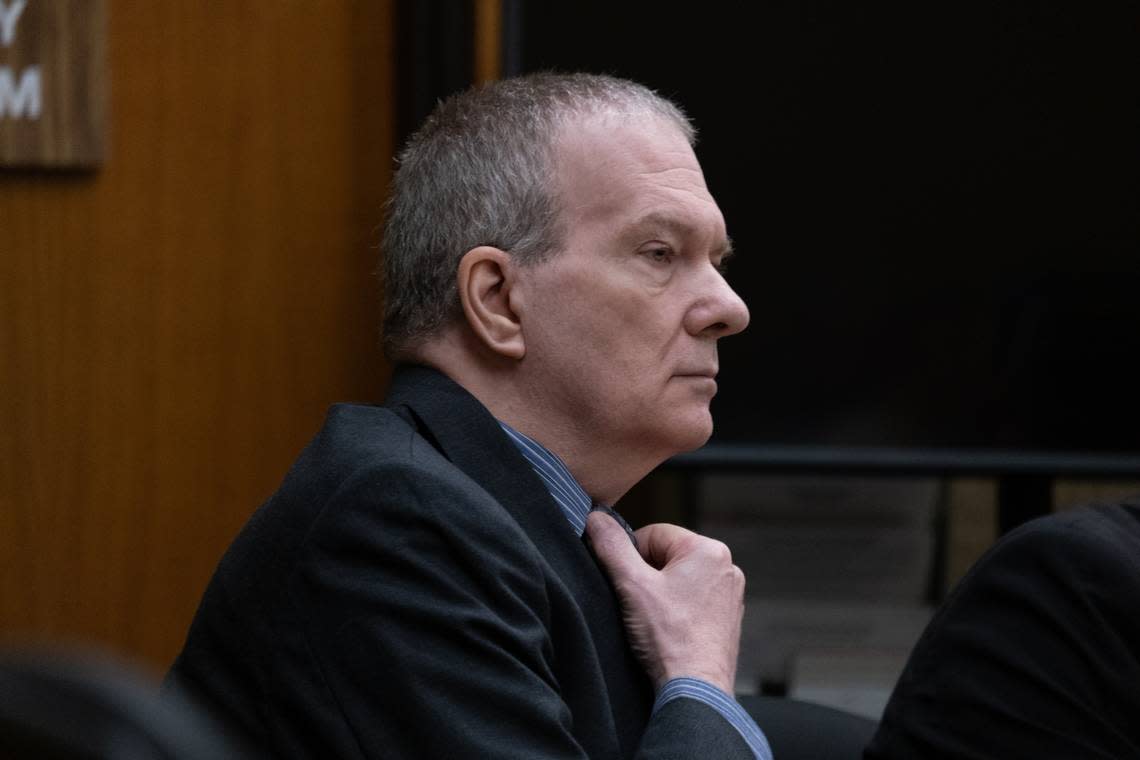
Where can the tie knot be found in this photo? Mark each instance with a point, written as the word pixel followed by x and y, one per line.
pixel 596 507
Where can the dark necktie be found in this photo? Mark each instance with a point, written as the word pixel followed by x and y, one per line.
pixel 620 520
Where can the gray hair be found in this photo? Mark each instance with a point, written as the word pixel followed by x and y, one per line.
pixel 478 172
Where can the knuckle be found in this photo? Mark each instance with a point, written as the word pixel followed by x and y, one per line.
pixel 690 542
pixel 739 579
pixel 719 551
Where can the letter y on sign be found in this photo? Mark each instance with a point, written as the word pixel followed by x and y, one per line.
pixel 9 16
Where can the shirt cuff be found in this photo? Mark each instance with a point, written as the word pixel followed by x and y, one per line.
pixel 729 708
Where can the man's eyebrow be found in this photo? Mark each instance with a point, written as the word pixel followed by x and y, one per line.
pixel 655 220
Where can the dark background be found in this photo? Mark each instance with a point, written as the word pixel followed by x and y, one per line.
pixel 935 207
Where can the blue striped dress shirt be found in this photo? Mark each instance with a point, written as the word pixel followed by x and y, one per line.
pixel 576 505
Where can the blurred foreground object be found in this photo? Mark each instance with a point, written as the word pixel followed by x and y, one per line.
pixel 1036 652
pixel 57 705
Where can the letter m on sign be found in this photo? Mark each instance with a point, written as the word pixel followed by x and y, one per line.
pixel 20 99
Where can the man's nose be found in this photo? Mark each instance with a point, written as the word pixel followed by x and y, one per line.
pixel 718 311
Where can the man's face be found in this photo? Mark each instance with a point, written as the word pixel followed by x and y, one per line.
pixel 621 325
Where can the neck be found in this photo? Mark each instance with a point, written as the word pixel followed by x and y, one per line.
pixel 605 469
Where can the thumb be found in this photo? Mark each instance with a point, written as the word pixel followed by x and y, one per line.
pixel 613 548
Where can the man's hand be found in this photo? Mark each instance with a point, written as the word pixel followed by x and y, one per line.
pixel 682 599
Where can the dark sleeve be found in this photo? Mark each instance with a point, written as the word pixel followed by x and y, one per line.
pixel 426 612
pixel 686 728
pixel 1035 654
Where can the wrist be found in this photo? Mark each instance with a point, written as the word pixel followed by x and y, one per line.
pixel 720 680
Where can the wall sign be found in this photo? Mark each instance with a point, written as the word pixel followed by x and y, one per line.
pixel 52 96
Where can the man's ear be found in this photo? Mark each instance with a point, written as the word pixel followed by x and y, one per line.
pixel 484 280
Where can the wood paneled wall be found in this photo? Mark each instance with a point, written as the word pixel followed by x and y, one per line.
pixel 173 325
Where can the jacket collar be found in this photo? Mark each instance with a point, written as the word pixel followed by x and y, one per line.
pixel 470 437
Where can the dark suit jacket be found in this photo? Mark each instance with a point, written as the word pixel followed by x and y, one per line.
pixel 1035 654
pixel 412 590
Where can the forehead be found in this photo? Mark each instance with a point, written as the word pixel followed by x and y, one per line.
pixel 632 169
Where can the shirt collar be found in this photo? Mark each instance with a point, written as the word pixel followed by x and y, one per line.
pixel 570 496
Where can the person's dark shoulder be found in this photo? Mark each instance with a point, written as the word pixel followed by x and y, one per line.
pixel 400 527
pixel 367 480
pixel 1034 653
pixel 1085 537
pixel 370 459
pixel 371 485
pixel 353 436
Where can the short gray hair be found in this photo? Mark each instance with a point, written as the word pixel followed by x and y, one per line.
pixel 478 172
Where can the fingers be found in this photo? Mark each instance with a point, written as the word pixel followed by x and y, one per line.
pixel 613 548
pixel 681 596
pixel 662 544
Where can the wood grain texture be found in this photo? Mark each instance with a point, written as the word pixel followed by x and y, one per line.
pixel 488 63
pixel 173 327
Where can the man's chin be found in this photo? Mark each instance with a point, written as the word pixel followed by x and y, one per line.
pixel 693 435
pixel 667 435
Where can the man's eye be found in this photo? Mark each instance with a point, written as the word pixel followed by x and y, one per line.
pixel 659 255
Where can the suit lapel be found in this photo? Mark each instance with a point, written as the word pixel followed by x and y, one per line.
pixel 467 434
